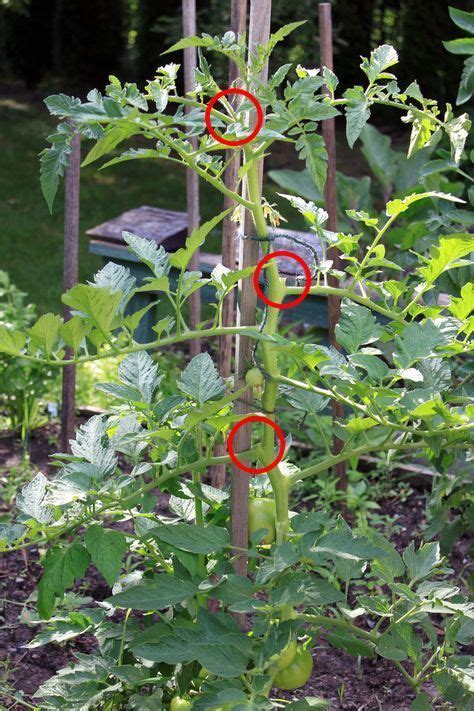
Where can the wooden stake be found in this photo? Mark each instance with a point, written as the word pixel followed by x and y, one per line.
pixel 238 24
pixel 70 274
pixel 330 195
pixel 259 32
pixel 192 179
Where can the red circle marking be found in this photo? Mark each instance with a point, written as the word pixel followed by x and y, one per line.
pixel 236 428
pixel 241 92
pixel 258 288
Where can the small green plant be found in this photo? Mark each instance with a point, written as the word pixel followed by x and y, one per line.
pixel 22 383
pixel 156 637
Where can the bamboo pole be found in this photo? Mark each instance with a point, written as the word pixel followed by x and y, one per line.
pixel 192 179
pixel 330 195
pixel 259 32
pixel 70 275
pixel 238 24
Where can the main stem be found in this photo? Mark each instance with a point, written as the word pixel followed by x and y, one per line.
pixel 276 293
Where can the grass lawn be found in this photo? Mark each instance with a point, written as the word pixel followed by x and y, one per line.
pixel 31 240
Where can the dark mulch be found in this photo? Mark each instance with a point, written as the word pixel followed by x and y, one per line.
pixel 372 685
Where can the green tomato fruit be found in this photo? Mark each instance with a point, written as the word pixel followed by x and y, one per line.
pixel 254 378
pixel 297 673
pixel 262 514
pixel 180 704
pixel 288 654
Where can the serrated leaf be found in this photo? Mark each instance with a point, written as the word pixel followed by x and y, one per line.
pixel 381 58
pixel 180 259
pixel 397 206
pixel 357 326
pixel 417 341
pixel 73 332
pixel 200 380
pixel 447 255
pixel 11 342
pixel 155 593
pixel 44 334
pixel 107 549
pixel 62 566
pixel 115 277
pixel 312 150
pixel 54 160
pixel 92 444
pixel 357 114
pixel 193 539
pixel 113 136
pixel 101 305
pixel 421 562
pixel 31 501
pixel 305 400
pixel 147 251
pixel 140 374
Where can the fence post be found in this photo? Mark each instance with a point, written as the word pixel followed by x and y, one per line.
pixel 330 195
pixel 192 179
pixel 259 32
pixel 70 274
pixel 238 24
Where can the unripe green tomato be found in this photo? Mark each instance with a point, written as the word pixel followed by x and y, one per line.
pixel 288 654
pixel 180 704
pixel 254 378
pixel 297 673
pixel 262 514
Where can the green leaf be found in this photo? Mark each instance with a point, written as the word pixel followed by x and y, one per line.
pixel 44 333
pixel 305 589
pixel 417 341
pixel 180 259
pixel 421 702
pixel 146 250
pixel 62 566
pixel 458 131
pixel 92 444
pixel 155 593
pixel 200 380
pixel 357 113
pixel 391 645
pixel 116 277
pixel 99 304
pixel 463 45
pixel 377 151
pixel 331 80
pixel 194 41
pixel 54 161
pixel 466 86
pixel 396 207
pixel 107 549
pixel 73 332
pixel 11 342
pixel 463 306
pixel 420 563
pixel 193 539
pixel 350 643
pixel 357 326
pixel 380 59
pixel 32 500
pixel 305 400
pixel 464 20
pixel 311 148
pixel 140 373
pixel 114 134
pixel 447 255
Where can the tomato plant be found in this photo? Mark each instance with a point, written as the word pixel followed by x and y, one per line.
pixel 393 375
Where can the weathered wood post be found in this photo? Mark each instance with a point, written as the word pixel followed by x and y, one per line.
pixel 192 179
pixel 330 195
pixel 238 24
pixel 70 274
pixel 259 32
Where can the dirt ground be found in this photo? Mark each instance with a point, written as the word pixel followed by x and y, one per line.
pixel 349 685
